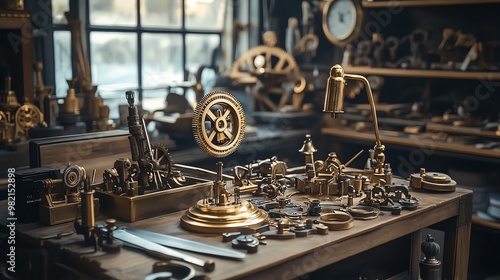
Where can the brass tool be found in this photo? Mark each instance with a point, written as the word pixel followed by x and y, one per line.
pixel 334 104
pixel 86 225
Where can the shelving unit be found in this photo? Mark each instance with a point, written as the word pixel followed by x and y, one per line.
pixel 454 86
pixel 411 141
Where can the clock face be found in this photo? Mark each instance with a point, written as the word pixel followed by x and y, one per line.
pixel 341 19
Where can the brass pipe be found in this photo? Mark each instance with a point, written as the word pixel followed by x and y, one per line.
pixel 371 100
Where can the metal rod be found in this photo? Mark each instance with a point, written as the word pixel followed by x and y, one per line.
pixel 371 101
pixel 353 158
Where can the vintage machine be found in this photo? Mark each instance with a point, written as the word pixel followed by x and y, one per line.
pixel 381 173
pixel 334 104
pixel 17 120
pixel 28 192
pixel 60 198
pixel 266 177
pixel 138 188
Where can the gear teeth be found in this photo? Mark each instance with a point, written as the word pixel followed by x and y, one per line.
pixel 35 116
pixel 220 98
pixel 164 150
pixel 264 50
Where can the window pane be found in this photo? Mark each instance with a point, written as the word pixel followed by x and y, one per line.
pixel 154 100
pixel 114 59
pixel 161 59
pixel 199 49
pixel 113 12
pixel 62 61
pixel 59 7
pixel 205 14
pixel 161 13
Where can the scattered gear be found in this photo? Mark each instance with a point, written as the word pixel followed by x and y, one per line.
pixel 218 123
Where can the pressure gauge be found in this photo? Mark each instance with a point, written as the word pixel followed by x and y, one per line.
pixel 342 20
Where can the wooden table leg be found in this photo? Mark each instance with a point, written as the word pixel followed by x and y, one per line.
pixel 416 242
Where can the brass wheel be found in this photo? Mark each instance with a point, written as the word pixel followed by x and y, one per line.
pixel 276 71
pixel 162 166
pixel 74 175
pixel 218 123
pixel 28 116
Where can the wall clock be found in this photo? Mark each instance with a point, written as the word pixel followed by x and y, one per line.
pixel 342 21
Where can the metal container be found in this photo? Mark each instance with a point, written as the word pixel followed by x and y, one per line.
pixel 148 205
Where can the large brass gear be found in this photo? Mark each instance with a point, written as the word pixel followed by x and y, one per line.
pixel 218 123
pixel 270 66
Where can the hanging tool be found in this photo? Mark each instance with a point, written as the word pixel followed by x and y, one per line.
pixel 159 251
pixel 184 244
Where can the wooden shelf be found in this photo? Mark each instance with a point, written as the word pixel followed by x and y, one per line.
pixel 423 3
pixel 412 142
pixel 417 73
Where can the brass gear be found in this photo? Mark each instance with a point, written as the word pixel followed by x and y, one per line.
pixel 272 62
pixel 162 164
pixel 28 116
pixel 218 123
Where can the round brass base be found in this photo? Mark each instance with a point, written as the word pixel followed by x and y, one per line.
pixel 212 218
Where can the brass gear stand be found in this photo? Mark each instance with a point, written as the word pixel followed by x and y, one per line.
pixel 218 126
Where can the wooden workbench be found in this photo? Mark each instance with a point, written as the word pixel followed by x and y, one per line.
pixel 279 259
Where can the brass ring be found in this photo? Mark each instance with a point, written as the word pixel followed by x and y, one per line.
pixel 362 212
pixel 337 221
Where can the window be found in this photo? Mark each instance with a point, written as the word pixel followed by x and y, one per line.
pixel 145 45
pixel 62 46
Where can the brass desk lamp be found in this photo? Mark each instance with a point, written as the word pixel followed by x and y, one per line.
pixel 334 103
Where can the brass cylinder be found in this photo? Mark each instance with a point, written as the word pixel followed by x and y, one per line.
pixel 88 219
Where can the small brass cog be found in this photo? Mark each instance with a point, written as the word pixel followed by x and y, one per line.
pixel 218 123
pixel 28 116
pixel 162 165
